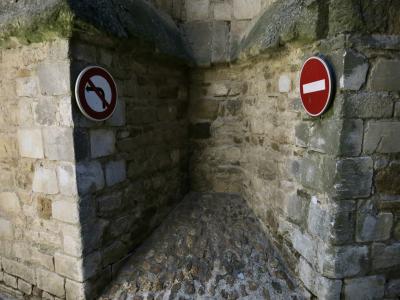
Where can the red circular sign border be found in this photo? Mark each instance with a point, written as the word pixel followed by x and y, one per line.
pixel 331 83
pixel 86 73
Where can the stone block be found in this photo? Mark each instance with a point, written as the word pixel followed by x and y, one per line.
pixel 24 287
pixel 387 180
pixel 351 138
pixel 27 87
pixel 65 211
pixel 373 227
pixel 198 36
pixel 42 259
pixel 66 175
pixel 72 240
pixel 385 75
pixel 90 177
pixel 325 136
pixel 355 70
pixel 10 280
pixel 30 143
pixel 45 181
pixel 371 287
pixel 295 207
pixel 385 256
pixel 59 143
pixel 223 11
pixel 54 78
pixel 46 112
pixel 113 253
pixel 220 42
pixel 204 109
pixel 393 288
pixel 9 203
pixel 353 178
pixel 343 261
pixel 102 142
pixel 118 118
pixel 365 105
pixel 19 269
pixel 322 287
pixel 77 269
pixel 302 133
pixel 197 10
pixel 304 244
pixel 284 83
pixel 397 110
pixel 74 290
pixel 6 230
pixel 381 137
pixel 246 9
pixel 115 172
pixel 50 282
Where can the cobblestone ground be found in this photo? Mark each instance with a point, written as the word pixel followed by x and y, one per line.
pixel 210 247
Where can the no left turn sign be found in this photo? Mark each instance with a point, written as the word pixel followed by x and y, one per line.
pixel 96 93
pixel 316 85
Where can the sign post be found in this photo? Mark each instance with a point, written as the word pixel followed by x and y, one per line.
pixel 96 93
pixel 316 85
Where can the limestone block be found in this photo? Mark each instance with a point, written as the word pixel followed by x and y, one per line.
pixel 385 75
pixel 355 70
pixel 246 9
pixel 6 230
pixel 118 118
pixel 199 41
pixel 113 253
pixel 66 175
pixel 371 227
pixel 304 244
pixel 90 177
pixel 9 203
pixel 65 211
pixel 368 105
pixel 295 207
pixel 30 143
pixel 353 178
pixel 77 269
pixel 24 287
pixel 45 181
pixel 54 78
pixel 197 10
pixel 387 180
pixel 18 269
pixel 223 11
pixel 59 143
pixel 351 138
pixel 50 282
pixel 371 287
pixel 46 112
pixel 72 240
pixel 27 87
pixel 284 83
pixel 10 280
pixel 220 42
pixel 385 256
pixel 102 142
pixel 8 146
pixel 381 137
pixel 320 286
pixel 302 134
pixel 74 290
pixel 42 259
pixel 25 112
pixel 115 172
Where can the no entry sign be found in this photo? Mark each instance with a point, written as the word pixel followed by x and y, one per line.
pixel 96 93
pixel 316 85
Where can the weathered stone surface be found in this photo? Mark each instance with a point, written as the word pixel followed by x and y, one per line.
pixel 74 290
pixel 66 175
pixel 45 181
pixel 27 87
pixel 393 288
pixel 10 280
pixel 197 10
pixel 204 109
pixel 6 229
pixel 9 203
pixel 59 143
pixel 118 118
pixel 102 142
pixel 115 172
pixel 385 256
pixel 387 180
pixel 50 282
pixel 24 287
pixel 223 11
pixel 90 177
pixel 246 9
pixel 18 269
pixel 42 259
pixel 355 70
pixel 199 41
pixel 285 83
pixel 30 143
pixel 54 78
pixel 368 105
pixel 320 286
pixel 68 266
pixel 381 137
pixel 302 134
pixel 353 178
pixel 220 42
pixel 373 227
pixel 385 75
pixel 46 112
pixel 113 253
pixel 371 287
pixel 65 211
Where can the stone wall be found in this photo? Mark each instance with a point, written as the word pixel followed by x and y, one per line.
pixel 132 168
pixel 323 187
pixel 37 169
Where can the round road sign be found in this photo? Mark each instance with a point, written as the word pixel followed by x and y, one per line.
pixel 316 85
pixel 96 93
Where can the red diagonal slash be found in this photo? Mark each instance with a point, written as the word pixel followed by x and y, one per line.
pixel 103 100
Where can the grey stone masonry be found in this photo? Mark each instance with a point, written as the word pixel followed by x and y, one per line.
pixel 371 287
pixel 381 137
pixel 385 75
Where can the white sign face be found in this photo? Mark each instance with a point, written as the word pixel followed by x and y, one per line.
pixel 96 93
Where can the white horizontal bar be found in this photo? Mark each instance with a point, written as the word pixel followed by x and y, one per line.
pixel 315 86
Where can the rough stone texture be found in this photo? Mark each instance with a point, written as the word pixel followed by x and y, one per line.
pixel 45 181
pixel 50 282
pixel 30 143
pixel 179 260
pixel 385 75
pixel 372 287
pixel 102 142
pixel 355 70
pixel 384 256
pixel 380 137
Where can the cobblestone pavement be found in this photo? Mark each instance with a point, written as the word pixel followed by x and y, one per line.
pixel 210 247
